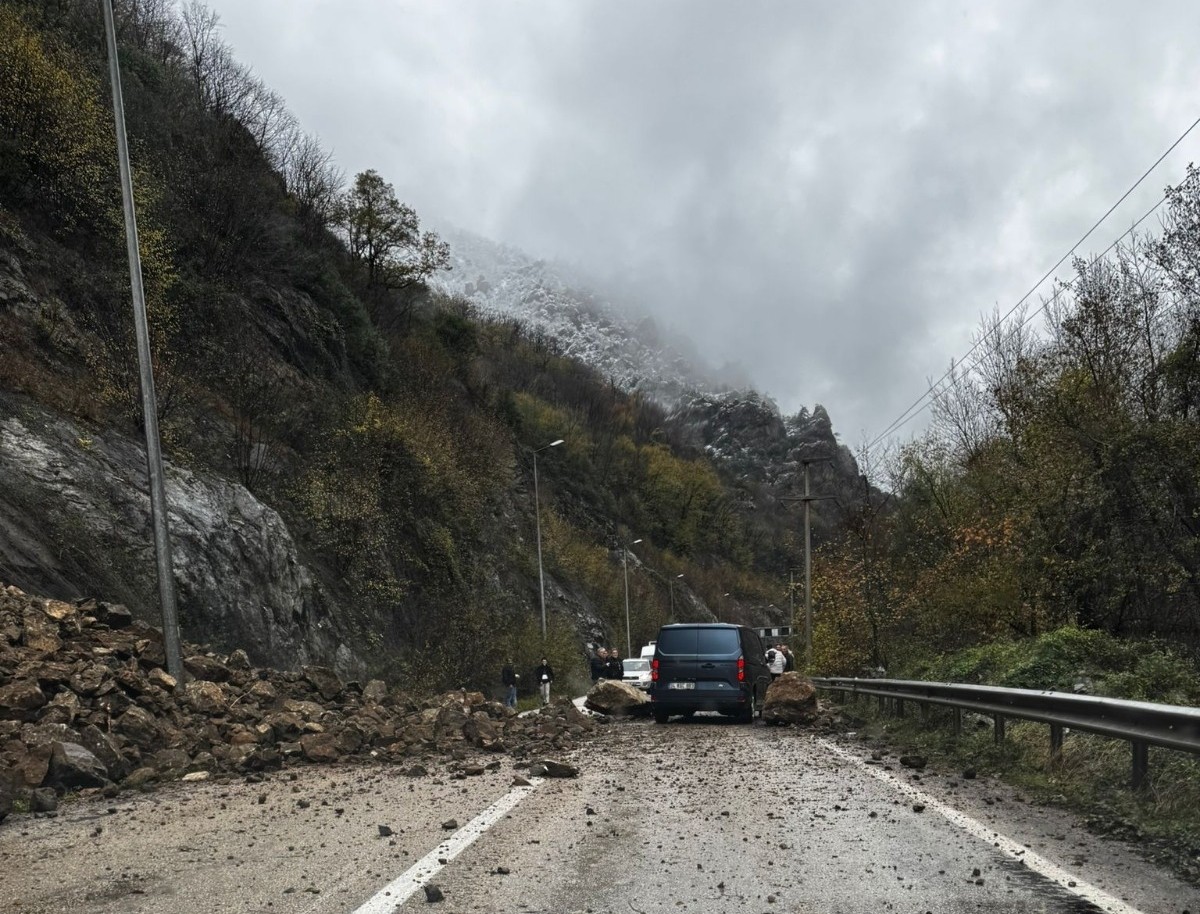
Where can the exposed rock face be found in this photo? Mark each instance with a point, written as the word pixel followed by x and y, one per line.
pixel 791 699
pixel 611 696
pixel 108 714
pixel 240 578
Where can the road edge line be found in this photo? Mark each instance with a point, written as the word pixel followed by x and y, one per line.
pixel 1010 848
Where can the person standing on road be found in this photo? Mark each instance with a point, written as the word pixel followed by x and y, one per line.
pixel 509 677
pixel 614 669
pixel 775 662
pixel 789 659
pixel 598 664
pixel 543 676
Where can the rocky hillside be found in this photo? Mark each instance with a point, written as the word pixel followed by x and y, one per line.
pixel 350 449
pixel 85 702
pixel 732 424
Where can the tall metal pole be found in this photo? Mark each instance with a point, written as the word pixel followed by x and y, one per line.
pixel 628 638
pixel 154 464
pixel 807 575
pixel 537 519
pixel 537 513
pixel 792 597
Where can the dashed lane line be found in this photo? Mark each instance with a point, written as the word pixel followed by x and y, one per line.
pixel 1006 846
pixel 400 889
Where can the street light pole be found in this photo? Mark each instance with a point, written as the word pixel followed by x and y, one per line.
pixel 154 462
pixel 671 589
pixel 537 517
pixel 807 575
pixel 808 499
pixel 625 563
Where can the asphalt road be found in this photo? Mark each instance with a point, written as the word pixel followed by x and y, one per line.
pixel 697 816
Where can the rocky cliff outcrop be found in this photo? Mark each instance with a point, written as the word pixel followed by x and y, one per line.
pixel 74 508
pixel 745 431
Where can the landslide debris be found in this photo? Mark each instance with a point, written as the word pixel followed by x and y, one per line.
pixel 792 699
pixel 86 701
pixel 618 699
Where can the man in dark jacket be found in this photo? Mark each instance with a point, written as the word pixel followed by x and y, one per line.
pixel 614 669
pixel 598 663
pixel 543 676
pixel 509 678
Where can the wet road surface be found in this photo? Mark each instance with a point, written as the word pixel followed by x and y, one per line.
pixel 697 816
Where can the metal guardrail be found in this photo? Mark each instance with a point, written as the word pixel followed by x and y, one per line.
pixel 1141 723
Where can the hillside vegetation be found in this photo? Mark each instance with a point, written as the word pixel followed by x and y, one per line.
pixel 300 351
pixel 1059 486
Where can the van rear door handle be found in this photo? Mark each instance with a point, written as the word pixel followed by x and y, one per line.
pixel 707 666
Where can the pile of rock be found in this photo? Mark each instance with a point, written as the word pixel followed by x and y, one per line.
pixel 85 701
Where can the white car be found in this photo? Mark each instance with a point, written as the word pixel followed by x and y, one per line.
pixel 637 672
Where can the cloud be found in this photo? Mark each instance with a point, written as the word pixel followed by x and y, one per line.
pixel 829 195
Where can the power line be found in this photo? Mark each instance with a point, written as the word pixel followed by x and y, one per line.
pixel 916 407
pixel 936 388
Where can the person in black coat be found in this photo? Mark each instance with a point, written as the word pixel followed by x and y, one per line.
pixel 543 676
pixel 598 664
pixel 614 669
pixel 509 677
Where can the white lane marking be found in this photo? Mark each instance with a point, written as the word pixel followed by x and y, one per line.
pixel 1007 846
pixel 400 889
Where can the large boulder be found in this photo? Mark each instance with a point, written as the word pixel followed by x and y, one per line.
pixel 611 696
pixel 21 700
pixel 10 784
pixel 206 697
pixel 208 669
pixel 73 766
pixel 319 747
pixel 324 680
pixel 791 699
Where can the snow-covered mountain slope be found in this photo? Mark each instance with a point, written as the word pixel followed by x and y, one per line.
pixel 504 282
pixel 732 423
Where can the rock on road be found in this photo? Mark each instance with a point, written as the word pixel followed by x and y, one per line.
pixel 698 816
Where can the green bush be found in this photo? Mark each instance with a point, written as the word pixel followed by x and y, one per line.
pixel 1061 659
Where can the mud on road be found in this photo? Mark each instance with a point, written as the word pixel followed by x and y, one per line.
pixel 698 816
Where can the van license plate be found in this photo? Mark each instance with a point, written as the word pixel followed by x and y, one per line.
pixel 681 685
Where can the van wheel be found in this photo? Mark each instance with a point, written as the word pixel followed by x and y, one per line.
pixel 661 717
pixel 747 716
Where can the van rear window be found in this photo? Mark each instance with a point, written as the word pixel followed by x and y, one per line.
pixel 699 641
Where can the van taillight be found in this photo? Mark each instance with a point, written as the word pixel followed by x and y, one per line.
pixel 654 670
pixel 741 669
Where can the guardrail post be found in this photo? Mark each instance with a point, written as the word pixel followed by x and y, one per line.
pixel 899 707
pixel 999 729
pixel 882 704
pixel 1141 763
pixel 956 720
pixel 925 713
pixel 1056 744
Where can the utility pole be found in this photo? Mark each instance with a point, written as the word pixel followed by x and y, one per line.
pixel 537 517
pixel 808 498
pixel 154 464
pixel 625 567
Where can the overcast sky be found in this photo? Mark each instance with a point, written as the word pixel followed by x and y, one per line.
pixel 829 194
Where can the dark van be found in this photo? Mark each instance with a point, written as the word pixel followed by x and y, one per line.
pixel 708 667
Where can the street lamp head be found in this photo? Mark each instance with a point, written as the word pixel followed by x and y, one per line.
pixel 679 575
pixel 555 443
pixel 635 542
